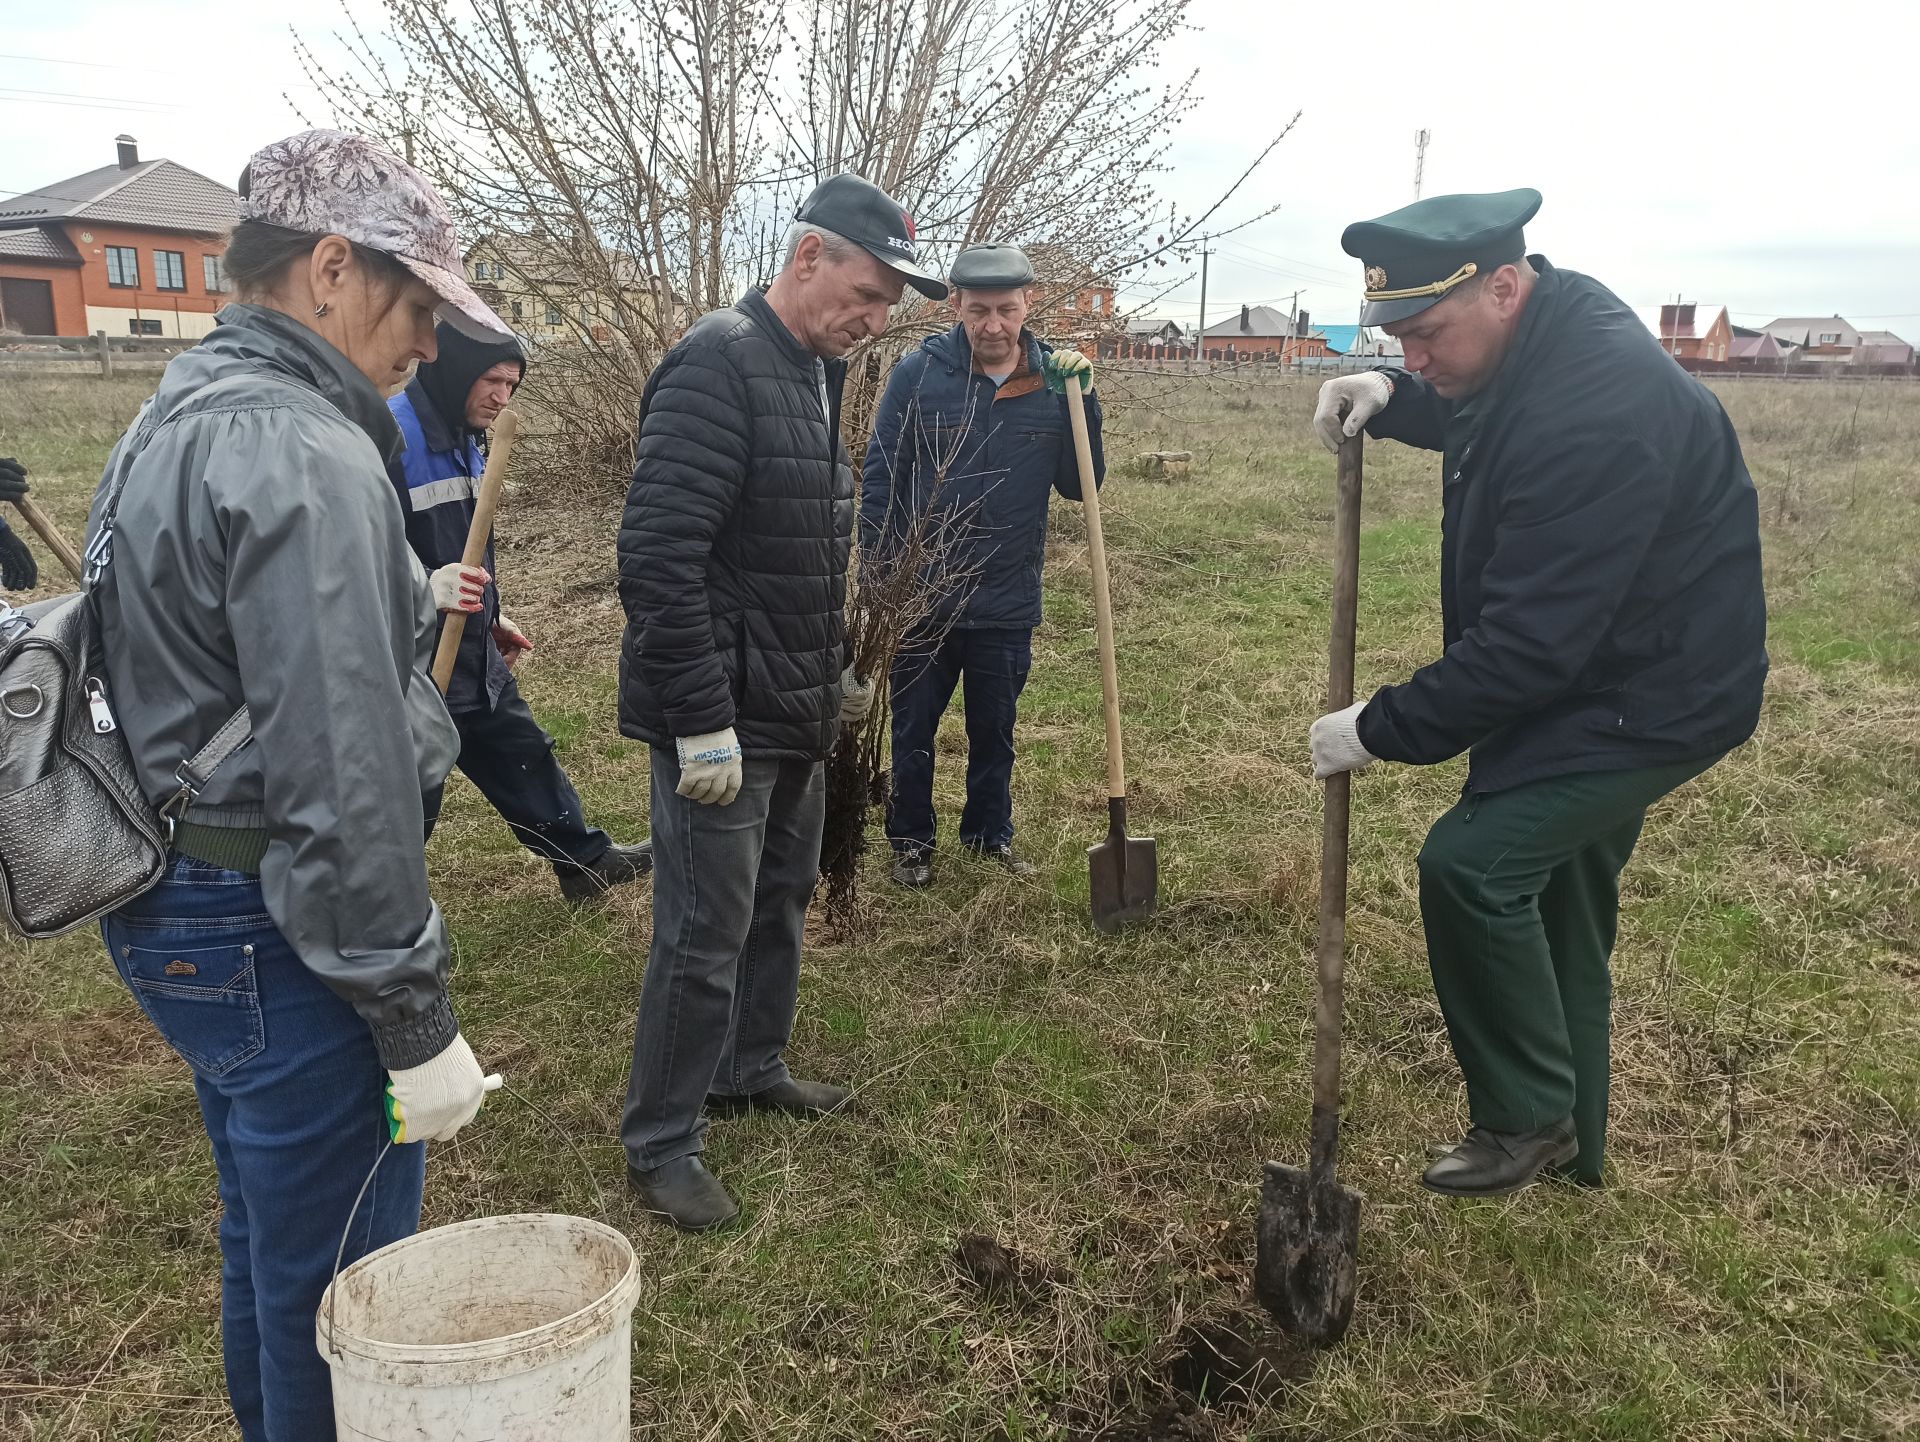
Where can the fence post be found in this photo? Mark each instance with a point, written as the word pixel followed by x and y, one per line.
pixel 106 355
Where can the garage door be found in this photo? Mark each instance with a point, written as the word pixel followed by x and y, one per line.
pixel 26 306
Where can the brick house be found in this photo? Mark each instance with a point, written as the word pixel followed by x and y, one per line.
pixel 1692 330
pixel 1824 338
pixel 1260 332
pixel 132 248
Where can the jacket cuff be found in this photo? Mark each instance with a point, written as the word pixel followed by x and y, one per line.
pixel 417 1039
pixel 1377 733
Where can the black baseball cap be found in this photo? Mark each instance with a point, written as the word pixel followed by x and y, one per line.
pixel 855 208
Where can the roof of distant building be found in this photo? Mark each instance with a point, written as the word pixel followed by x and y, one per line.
pixel 1807 329
pixel 157 193
pixel 1880 337
pixel 1754 346
pixel 1687 320
pixel 43 243
pixel 1255 322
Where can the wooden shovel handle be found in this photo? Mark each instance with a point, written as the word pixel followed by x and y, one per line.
pixel 1102 601
pixel 491 479
pixel 1334 829
pixel 44 528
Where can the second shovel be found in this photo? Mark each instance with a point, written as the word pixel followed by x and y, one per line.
pixel 1123 872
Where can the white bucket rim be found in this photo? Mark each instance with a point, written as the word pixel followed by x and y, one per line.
pixel 338 1344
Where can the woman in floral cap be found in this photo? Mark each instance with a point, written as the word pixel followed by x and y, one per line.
pixel 247 554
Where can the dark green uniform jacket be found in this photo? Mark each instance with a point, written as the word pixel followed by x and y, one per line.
pixel 1600 558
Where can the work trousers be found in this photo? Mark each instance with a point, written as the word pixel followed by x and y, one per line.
pixel 993 666
pixel 730 891
pixel 509 756
pixel 292 1094
pixel 1520 893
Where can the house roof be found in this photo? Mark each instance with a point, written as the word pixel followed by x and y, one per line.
pixel 1755 346
pixel 1154 327
pixel 1261 322
pixel 1807 329
pixel 156 193
pixel 40 242
pixel 1880 337
pixel 1688 320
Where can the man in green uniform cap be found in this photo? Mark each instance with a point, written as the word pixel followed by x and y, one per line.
pixel 1605 642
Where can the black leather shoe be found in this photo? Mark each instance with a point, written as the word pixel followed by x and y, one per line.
pixel 685 1193
pixel 1566 1173
pixel 1004 857
pixel 615 866
pixel 914 869
pixel 1492 1164
pixel 792 1096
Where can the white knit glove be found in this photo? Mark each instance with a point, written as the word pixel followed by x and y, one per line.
pixel 710 767
pixel 1348 403
pixel 432 1101
pixel 1335 741
pixel 459 588
pixel 512 641
pixel 856 698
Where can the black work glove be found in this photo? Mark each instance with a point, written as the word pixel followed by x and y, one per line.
pixel 18 570
pixel 13 479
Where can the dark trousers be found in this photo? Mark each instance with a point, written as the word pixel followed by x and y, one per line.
pixel 730 891
pixel 509 756
pixel 291 1092
pixel 993 664
pixel 1520 893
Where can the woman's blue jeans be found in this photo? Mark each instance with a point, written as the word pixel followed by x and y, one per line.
pixel 290 1088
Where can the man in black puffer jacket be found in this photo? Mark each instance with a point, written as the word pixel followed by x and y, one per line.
pixel 734 669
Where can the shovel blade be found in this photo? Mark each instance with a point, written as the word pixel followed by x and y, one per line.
pixel 1123 880
pixel 1308 1245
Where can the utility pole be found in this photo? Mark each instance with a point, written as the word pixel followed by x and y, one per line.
pixel 1290 346
pixel 1201 339
pixel 1419 160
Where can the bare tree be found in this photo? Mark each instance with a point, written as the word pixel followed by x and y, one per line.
pixel 637 162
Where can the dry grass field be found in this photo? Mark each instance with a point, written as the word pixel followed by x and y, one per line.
pixel 1100 1107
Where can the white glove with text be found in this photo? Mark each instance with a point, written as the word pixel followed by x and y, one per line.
pixel 710 767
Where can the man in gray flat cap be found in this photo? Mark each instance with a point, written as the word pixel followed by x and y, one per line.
pixel 969 437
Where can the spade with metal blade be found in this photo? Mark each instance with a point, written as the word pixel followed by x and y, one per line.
pixel 1123 872
pixel 1308 1233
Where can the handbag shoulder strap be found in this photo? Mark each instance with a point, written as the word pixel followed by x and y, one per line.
pixel 196 771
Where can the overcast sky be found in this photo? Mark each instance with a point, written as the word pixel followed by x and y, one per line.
pixel 1761 156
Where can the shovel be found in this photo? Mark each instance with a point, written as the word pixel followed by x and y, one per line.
pixel 1308 1233
pixel 505 428
pixel 1123 872
pixel 44 527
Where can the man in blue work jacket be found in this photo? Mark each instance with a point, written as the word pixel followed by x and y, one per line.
pixel 444 414
pixel 969 439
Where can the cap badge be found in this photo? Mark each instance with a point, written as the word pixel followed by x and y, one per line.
pixel 1376 277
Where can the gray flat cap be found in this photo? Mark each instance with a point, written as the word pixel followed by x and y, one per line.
pixel 991 267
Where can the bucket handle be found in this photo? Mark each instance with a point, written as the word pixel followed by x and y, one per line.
pixel 339 1256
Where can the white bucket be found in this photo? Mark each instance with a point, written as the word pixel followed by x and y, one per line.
pixel 505 1329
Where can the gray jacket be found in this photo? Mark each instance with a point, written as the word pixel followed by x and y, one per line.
pixel 259 558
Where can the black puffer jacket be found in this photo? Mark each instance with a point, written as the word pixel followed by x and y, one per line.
pixel 735 542
pixel 1600 558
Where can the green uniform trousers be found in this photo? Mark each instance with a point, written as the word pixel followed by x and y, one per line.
pixel 1520 892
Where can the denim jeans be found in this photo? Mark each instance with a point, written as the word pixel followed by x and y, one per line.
pixel 290 1089
pixel 730 891
pixel 994 666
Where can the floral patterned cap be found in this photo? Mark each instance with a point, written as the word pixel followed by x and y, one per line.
pixel 327 182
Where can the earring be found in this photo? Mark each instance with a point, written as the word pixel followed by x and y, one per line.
pixel 320 309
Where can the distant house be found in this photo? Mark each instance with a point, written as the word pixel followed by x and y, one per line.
pixel 1883 348
pixel 133 248
pixel 538 290
pixel 1693 330
pixel 1155 332
pixel 1260 332
pixel 1359 340
pixel 1079 300
pixel 1824 338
